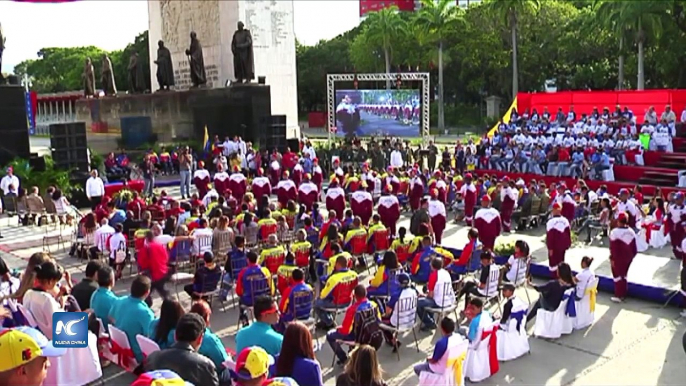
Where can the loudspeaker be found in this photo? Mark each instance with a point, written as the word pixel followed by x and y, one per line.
pixel 275 135
pixel 293 144
pixel 14 124
pixel 69 146
pixel 37 163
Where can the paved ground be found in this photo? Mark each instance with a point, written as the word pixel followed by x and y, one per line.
pixel 607 353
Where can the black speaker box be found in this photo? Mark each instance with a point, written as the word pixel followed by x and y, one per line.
pixel 14 129
pixel 37 163
pixel 275 135
pixel 294 144
pixel 69 145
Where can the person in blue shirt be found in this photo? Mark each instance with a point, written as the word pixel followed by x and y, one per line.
pixel 296 300
pixel 537 161
pixel 103 299
pixel 600 162
pixel 297 359
pixel 162 328
pixel 247 278
pixel 521 160
pixel 441 348
pixel 307 163
pixel 477 307
pixel 116 216
pixel 261 333
pixel 576 169
pixel 132 315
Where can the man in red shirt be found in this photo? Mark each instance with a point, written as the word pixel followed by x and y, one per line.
pixel 289 159
pixel 562 161
pixel 137 205
pixel 153 258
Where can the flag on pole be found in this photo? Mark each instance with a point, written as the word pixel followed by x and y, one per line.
pixel 206 141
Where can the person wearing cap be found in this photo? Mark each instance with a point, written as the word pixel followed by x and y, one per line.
pixel 183 357
pixel 629 207
pixel 298 172
pixel 416 190
pixel 308 193
pixel 335 200
pixel 622 252
pixel 261 185
pixel 508 199
pixel 252 369
pixel 392 316
pixel 558 238
pixel 160 378
pixel 438 215
pixel 9 180
pixel 487 221
pixel 220 180
pixel 25 356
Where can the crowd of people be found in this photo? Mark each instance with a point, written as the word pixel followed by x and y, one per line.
pixel 294 263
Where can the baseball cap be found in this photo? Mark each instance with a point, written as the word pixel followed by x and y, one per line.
pixel 21 345
pixel 160 378
pixel 403 278
pixel 253 362
pixel 280 381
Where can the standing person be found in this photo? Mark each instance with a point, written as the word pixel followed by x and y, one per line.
pixel 95 189
pixel 9 180
pixel 508 199
pixel 420 216
pixel 622 252
pixel 389 209
pixel 148 170
pixel 416 189
pixel 558 239
pixel 683 279
pixel 433 154
pixel 185 166
pixel 487 222
pixel 438 216
pixel 153 257
pixel 468 192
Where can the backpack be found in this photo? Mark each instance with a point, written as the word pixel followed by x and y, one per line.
pixel 367 330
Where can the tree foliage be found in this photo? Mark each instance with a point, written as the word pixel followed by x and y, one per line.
pixel 59 69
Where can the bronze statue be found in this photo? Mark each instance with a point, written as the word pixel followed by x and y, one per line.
pixel 165 68
pixel 88 79
pixel 197 62
pixel 136 76
pixel 243 58
pixel 107 77
pixel 2 48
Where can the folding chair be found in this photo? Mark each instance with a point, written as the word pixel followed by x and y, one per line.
pixel 405 316
pixel 522 275
pixel 122 349
pixel 103 248
pixel 221 245
pixel 303 304
pixel 181 255
pixel 147 345
pixel 210 287
pixel 342 297
pixel 391 281
pixel 492 290
pixel 365 320
pixel 258 286
pixel 358 249
pixel 448 304
pixel 202 244
pixel 236 266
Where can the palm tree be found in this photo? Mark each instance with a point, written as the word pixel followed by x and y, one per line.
pixel 644 18
pixel 438 18
pixel 509 10
pixel 608 17
pixel 384 27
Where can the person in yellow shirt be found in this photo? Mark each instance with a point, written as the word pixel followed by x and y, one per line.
pixel 266 226
pixel 301 249
pixel 357 232
pixel 375 226
pixel 273 255
pixel 401 246
pixel 336 293
pixel 336 250
pixel 285 272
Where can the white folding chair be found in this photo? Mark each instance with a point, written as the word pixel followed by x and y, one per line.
pixel 492 290
pixel 447 306
pixel 404 319
pixel 552 324
pixel 478 364
pixel 147 345
pixel 119 339
pixel 585 308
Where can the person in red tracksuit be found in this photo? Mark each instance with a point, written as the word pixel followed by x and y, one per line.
pixel 558 239
pixel 487 222
pixel 622 253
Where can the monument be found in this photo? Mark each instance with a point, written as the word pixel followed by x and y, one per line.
pixel 272 39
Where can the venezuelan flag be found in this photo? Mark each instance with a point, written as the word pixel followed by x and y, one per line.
pixel 209 146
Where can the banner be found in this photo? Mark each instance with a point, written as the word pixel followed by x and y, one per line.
pixel 506 118
pixel 30 114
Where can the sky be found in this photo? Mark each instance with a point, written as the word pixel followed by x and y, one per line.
pixel 111 25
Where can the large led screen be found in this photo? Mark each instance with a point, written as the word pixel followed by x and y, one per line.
pixel 378 112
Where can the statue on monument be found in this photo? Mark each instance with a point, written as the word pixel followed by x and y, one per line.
pixel 88 79
pixel 2 48
pixel 197 62
pixel 107 77
pixel 243 58
pixel 165 68
pixel 136 76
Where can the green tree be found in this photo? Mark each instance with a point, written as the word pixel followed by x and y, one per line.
pixel 509 11
pixel 439 19
pixel 383 29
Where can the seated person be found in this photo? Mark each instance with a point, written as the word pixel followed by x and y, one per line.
pixel 183 358
pixel 266 226
pixel 296 300
pixel 513 303
pixel 272 255
pixel 552 292
pixel 356 232
pixel 439 294
pixel 437 363
pixel 473 287
pixel 336 251
pixel 401 246
pixel 103 299
pixel 346 331
pixel 211 346
pixel 421 263
pixel 478 319
pixel 284 273
pixel 301 249
pixel 374 226
pixel 516 264
pixel 393 317
pixel 205 276
pixel 132 315
pixel 336 292
pixel 380 284
pixel 162 329
pixel 460 265
pixel 252 273
pixel 237 259
pixel 261 333
pixel 416 243
pixel 84 289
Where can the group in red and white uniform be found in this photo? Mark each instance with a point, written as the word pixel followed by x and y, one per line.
pixel 468 192
pixel 438 216
pixel 307 192
pixel 508 203
pixel 317 174
pixel 389 209
pixel 362 205
pixel 220 180
pixel 237 183
pixel 201 179
pixel 286 190
pixel 335 199
pixel 558 238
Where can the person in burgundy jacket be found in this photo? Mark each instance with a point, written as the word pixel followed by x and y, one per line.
pixel 153 259
pixel 201 179
pixel 362 205
pixel 389 209
pixel 622 253
pixel 286 190
pixel 237 183
pixel 558 239
pixel 261 185
pixel 290 159
pixel 508 198
pixel 335 199
pixel 416 190
pixel 438 215
pixel 317 174
pixel 220 180
pixel 468 191
pixel 487 222
pixel 307 192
